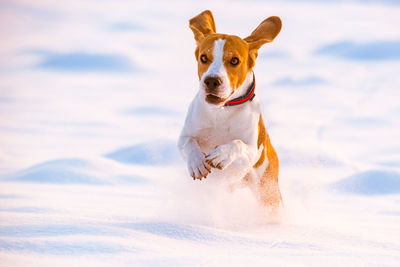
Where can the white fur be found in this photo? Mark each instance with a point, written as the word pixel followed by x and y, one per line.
pixel 228 135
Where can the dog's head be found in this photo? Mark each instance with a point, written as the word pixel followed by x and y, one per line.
pixel 225 60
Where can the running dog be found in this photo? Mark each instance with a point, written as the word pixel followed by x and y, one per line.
pixel 224 127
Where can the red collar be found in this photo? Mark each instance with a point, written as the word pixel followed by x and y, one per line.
pixel 246 97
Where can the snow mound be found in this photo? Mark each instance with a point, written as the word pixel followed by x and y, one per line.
pixel 373 182
pixel 62 247
pixel 153 153
pixel 75 171
pixel 60 171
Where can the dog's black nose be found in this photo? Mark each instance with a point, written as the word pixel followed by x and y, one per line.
pixel 212 82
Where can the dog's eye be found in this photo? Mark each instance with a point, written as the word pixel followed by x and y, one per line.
pixel 235 61
pixel 203 58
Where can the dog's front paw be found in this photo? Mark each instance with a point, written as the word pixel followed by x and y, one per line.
pixel 221 157
pixel 197 166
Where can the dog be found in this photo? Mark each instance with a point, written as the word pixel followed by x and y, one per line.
pixel 224 128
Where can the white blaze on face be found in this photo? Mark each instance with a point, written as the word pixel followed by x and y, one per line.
pixel 217 69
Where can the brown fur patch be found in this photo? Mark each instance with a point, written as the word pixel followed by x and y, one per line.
pixel 260 161
pixel 261 140
pixel 273 161
pixel 236 47
pixel 206 47
pixel 262 133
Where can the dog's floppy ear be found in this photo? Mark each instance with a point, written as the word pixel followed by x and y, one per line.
pixel 202 25
pixel 264 33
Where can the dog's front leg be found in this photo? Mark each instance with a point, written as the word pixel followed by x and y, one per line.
pixel 236 152
pixel 197 166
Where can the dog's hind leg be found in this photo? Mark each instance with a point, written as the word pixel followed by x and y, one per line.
pixel 270 194
pixel 267 182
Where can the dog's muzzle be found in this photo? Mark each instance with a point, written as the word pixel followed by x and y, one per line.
pixel 212 86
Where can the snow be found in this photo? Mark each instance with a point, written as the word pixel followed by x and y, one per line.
pixel 92 100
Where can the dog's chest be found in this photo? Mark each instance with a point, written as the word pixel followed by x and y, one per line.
pixel 223 128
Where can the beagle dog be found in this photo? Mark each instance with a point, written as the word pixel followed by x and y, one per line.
pixel 224 130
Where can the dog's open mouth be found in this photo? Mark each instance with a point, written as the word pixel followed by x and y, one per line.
pixel 213 99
